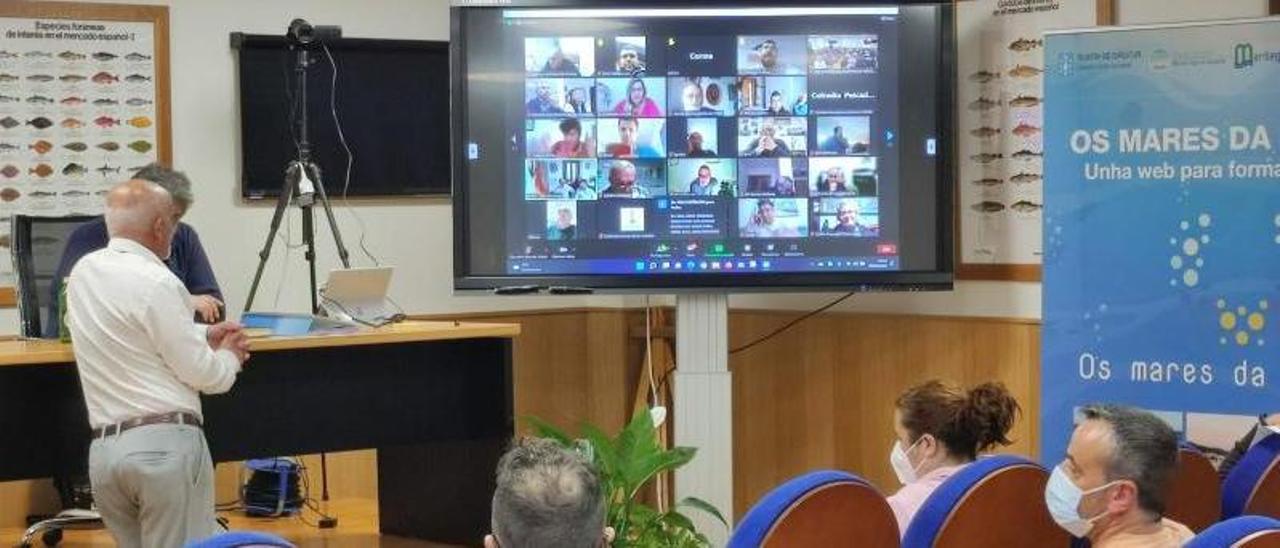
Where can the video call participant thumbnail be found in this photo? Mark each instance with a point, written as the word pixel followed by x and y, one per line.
pixel 701 137
pixel 632 137
pixel 561 179
pixel 772 137
pixel 622 56
pixel 557 96
pixel 781 177
pixel 843 93
pixel 844 53
pixel 700 55
pixel 853 217
pixel 633 178
pixel 772 96
pixel 562 138
pixel 560 56
pixel 773 217
pixel 562 219
pixel 702 177
pixel 839 135
pixel 843 176
pixel 629 219
pixel 637 97
pixel 559 221
pixel 700 96
pixel 771 54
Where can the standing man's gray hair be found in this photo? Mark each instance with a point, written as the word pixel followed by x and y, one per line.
pixel 176 182
pixel 1144 451
pixel 547 497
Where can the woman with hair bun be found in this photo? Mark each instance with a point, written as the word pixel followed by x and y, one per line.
pixel 940 429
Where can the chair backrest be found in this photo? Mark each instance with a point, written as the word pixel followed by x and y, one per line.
pixel 822 508
pixel 1241 532
pixel 995 501
pixel 1196 492
pixel 1253 486
pixel 242 539
pixel 37 244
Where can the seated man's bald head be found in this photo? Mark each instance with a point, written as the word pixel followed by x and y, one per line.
pixel 144 212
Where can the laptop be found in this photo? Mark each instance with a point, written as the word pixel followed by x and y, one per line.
pixel 359 295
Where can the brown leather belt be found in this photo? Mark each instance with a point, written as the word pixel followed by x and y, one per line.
pixel 176 417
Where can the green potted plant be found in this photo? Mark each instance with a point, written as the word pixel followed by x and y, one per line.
pixel 626 464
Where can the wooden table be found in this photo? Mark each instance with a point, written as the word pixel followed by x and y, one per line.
pixel 435 399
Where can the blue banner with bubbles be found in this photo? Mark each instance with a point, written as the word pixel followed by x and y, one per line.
pixel 1162 227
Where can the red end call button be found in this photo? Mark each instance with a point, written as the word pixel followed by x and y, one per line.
pixel 887 249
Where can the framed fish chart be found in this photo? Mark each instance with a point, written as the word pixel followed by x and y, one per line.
pixel 84 101
pixel 1000 94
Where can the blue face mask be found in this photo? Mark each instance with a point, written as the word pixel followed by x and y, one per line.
pixel 1063 498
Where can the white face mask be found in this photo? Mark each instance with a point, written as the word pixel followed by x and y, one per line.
pixel 901 463
pixel 1063 498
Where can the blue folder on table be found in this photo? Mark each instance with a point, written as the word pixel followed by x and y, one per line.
pixel 283 324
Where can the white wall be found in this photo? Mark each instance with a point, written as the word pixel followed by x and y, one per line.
pixel 415 235
pixel 1141 12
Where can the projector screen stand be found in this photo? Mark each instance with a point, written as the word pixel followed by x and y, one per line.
pixel 703 407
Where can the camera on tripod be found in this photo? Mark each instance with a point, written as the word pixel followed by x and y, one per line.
pixel 304 34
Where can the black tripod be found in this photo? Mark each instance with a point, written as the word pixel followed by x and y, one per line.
pixel 302 184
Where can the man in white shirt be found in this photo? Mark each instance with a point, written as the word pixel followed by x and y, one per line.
pixel 142 362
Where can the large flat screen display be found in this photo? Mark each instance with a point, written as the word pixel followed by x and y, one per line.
pixel 737 146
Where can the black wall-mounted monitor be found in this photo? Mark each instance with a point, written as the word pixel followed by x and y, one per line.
pixel 392 100
pixel 738 145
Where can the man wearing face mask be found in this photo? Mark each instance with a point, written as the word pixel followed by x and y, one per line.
pixel 940 429
pixel 1111 488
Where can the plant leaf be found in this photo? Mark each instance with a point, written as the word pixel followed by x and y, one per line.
pixel 678 521
pixel 695 502
pixel 605 449
pixel 636 442
pixel 642 471
pixel 544 429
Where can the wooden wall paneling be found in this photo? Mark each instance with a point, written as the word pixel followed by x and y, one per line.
pixel 784 402
pixel 549 382
pixel 19 498
pixel 1107 12
pixel 821 395
pixel 571 365
pixel 611 370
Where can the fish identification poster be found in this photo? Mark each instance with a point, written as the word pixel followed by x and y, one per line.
pixel 1000 100
pixel 1162 227
pixel 78 103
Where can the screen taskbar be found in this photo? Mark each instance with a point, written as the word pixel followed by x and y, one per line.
pixel 677 265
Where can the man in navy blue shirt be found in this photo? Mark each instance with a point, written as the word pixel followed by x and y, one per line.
pixel 187 261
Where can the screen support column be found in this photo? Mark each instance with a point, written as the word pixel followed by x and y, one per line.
pixel 703 407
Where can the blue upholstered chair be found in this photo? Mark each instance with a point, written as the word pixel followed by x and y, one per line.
pixel 1195 494
pixel 1253 486
pixel 242 539
pixel 1242 531
pixel 822 508
pixel 995 501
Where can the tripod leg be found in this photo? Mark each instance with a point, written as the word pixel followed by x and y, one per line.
pixel 309 237
pixel 333 225
pixel 282 203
